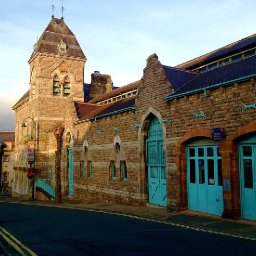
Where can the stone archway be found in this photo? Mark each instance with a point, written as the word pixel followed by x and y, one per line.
pixel 181 163
pixel 146 122
pixel 230 155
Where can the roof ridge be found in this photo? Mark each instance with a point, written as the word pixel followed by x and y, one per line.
pixel 180 69
pixel 214 51
pixel 234 72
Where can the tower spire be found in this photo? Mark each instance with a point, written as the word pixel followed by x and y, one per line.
pixel 53 8
pixel 62 11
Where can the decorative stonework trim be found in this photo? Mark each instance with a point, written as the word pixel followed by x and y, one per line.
pixel 99 132
pixel 116 129
pixel 201 114
pixel 248 106
pixel 206 93
pixel 166 120
pixel 62 47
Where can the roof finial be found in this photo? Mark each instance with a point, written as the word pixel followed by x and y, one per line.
pixel 53 7
pixel 62 10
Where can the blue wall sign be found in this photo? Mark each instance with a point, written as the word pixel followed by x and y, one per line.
pixel 218 134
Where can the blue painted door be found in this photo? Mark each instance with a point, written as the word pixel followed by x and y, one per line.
pixel 247 166
pixel 204 179
pixel 156 165
pixel 71 172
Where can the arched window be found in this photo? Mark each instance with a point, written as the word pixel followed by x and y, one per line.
pixel 66 87
pixel 86 167
pixel 56 86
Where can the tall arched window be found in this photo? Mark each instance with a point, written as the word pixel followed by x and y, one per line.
pixel 56 86
pixel 66 87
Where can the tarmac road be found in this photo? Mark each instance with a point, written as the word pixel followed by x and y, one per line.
pixel 57 231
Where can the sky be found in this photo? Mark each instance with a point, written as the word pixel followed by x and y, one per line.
pixel 117 36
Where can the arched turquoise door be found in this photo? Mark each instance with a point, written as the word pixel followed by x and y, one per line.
pixel 204 179
pixel 156 165
pixel 71 172
pixel 247 167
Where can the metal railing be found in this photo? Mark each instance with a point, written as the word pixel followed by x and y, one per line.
pixel 45 188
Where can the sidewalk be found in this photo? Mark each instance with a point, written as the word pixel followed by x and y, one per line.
pixel 187 219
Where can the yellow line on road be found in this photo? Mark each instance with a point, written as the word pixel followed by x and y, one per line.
pixel 15 243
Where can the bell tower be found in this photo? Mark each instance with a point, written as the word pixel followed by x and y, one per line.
pixel 56 65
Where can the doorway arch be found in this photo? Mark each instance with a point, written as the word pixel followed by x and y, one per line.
pixel 156 164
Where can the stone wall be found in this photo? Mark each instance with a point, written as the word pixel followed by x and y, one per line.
pixel 100 137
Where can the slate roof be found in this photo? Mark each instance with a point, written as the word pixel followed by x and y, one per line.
pixel 83 109
pixel 178 77
pixel 56 31
pixel 222 76
pixel 110 109
pixel 7 136
pixel 230 49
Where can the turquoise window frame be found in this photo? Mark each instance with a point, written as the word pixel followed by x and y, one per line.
pixel 82 168
pixel 124 174
pixel 90 168
pixel 113 170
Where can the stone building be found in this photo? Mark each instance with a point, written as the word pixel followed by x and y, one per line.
pixel 181 137
pixel 7 160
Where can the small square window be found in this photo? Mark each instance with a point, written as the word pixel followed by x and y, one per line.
pixel 210 151
pixel 6 158
pixel 192 152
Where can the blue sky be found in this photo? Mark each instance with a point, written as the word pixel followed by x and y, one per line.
pixel 117 36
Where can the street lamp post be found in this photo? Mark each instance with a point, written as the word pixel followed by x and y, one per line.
pixel 2 146
pixel 31 156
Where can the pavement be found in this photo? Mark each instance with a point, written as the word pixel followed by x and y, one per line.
pixel 189 220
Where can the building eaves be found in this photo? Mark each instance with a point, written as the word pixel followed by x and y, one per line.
pixel 83 109
pixel 21 100
pixel 219 77
pixel 115 108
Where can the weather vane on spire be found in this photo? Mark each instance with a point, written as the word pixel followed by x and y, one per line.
pixel 53 7
pixel 62 10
